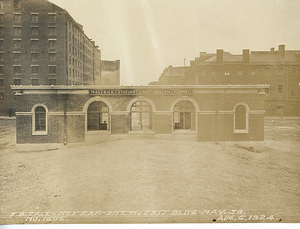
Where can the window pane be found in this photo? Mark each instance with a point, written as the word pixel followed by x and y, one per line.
pixel 135 121
pixel 98 116
pixel 34 30
pixel 240 118
pixel 52 69
pixel 34 82
pixel 34 56
pixel 17 44
pixel 34 69
pixel 17 56
pixel 17 69
pixel 34 44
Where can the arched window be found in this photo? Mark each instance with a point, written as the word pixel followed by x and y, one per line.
pixel 184 116
pixel 140 114
pixel 240 119
pixel 40 119
pixel 98 116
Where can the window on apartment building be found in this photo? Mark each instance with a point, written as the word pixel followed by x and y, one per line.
pixel 1 18
pixel 34 56
pixel 1 43
pixel 239 72
pixel 1 31
pixel 17 56
pixel 17 69
pixel 70 72
pixel 17 4
pixel 52 56
pixel 52 69
pixel 293 90
pixel 34 82
pixel 17 30
pixel 34 31
pixel 34 69
pixel 17 82
pixel 1 82
pixel 1 69
pixel 280 71
pixel 1 4
pixel 52 82
pixel 1 95
pixel 1 56
pixel 39 119
pixel 240 119
pixel 52 17
pixel 34 18
pixel 52 44
pixel 70 36
pixel 280 88
pixel 226 72
pixel 253 71
pixel 17 44
pixel 184 116
pixel 52 30
pixel 34 44
pixel 293 71
pixel 280 108
pixel 17 18
pixel 266 70
pixel 98 116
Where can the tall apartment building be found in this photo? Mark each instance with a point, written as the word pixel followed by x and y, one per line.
pixel 279 68
pixel 41 44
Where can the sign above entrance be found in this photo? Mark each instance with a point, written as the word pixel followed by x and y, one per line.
pixel 141 92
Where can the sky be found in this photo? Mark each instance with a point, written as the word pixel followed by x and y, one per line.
pixel 149 35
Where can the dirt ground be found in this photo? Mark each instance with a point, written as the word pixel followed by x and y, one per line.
pixel 150 180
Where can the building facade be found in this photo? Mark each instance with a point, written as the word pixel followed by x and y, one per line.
pixel 41 44
pixel 64 115
pixel 278 68
pixel 171 75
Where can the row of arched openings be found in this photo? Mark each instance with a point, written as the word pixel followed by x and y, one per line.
pixel 98 117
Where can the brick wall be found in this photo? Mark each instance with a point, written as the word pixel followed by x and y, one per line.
pixel 163 123
pixel 120 124
pixel 206 127
pixel 75 128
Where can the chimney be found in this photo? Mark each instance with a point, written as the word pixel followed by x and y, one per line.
pixel 219 55
pixel 281 49
pixel 246 57
pixel 272 49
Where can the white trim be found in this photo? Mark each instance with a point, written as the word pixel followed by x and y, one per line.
pixel 206 112
pixel 120 113
pixel 34 132
pixel 257 112
pixel 247 118
pixel 225 112
pixel 141 98
pixel 163 112
pixel 24 113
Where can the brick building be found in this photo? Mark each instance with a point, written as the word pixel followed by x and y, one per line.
pixel 58 115
pixel 278 68
pixel 41 44
pixel 171 75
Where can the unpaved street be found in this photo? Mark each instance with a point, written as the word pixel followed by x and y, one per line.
pixel 141 176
